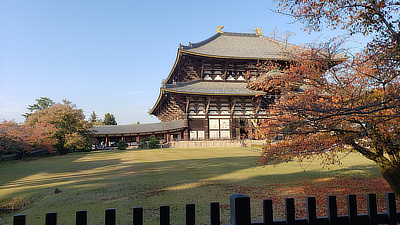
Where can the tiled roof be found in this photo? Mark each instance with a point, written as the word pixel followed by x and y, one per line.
pixel 211 88
pixel 138 128
pixel 240 45
pixel 245 45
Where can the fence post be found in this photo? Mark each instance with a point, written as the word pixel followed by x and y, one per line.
pixel 311 211
pixel 110 217
pixel 137 216
pixel 352 209
pixel 214 213
pixel 290 211
pixel 190 214
pixel 19 219
pixel 391 208
pixel 164 215
pixel 240 210
pixel 332 210
pixel 372 209
pixel 268 212
pixel 51 218
pixel 81 217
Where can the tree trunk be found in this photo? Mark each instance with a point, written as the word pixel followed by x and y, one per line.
pixel 391 175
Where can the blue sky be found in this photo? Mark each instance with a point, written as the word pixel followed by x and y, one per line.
pixel 111 56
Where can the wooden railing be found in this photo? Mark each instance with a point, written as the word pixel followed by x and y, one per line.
pixel 240 213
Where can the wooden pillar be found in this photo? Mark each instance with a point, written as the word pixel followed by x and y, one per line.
pixel 250 128
pixel 186 120
pixel 232 103
pixel 206 128
pixel 137 139
pixel 186 131
pixel 106 141
pixel 168 137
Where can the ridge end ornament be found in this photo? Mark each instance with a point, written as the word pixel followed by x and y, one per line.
pixel 258 31
pixel 219 29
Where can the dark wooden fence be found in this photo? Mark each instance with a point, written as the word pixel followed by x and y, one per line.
pixel 240 213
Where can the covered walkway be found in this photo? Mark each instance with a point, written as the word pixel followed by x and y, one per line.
pixel 133 133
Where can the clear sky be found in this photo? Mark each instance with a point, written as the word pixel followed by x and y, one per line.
pixel 111 56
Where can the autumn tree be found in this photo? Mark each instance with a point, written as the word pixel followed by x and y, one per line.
pixel 72 130
pixel 324 106
pixel 20 139
pixel 109 119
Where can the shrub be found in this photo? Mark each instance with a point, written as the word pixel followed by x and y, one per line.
pixel 122 145
pixel 153 142
pixel 143 143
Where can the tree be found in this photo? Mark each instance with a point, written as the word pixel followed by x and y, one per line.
pixel 42 103
pixel 72 131
pixel 21 139
pixel 323 107
pixel 93 118
pixel 109 119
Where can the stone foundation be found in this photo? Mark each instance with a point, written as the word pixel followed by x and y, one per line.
pixel 203 144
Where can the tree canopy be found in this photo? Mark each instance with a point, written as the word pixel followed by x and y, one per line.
pixel 109 119
pixel 20 139
pixel 41 103
pixel 72 131
pixel 94 118
pixel 324 106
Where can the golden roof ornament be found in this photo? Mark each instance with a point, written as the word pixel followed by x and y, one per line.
pixel 258 31
pixel 219 29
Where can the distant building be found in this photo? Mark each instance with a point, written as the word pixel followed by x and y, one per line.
pixel 207 86
pixel 206 94
pixel 133 133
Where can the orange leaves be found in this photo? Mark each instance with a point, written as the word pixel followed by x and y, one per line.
pixel 16 137
pixel 71 128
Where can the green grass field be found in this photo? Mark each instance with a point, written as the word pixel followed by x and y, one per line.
pixel 94 181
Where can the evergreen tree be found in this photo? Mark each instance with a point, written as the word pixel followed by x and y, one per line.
pixel 109 119
pixel 93 118
pixel 153 142
pixel 42 103
pixel 122 145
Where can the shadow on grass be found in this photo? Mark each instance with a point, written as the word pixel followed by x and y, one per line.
pixel 115 180
pixel 74 170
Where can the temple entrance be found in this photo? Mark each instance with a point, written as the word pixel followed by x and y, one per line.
pixel 240 128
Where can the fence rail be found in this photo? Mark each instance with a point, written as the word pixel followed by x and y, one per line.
pixel 240 213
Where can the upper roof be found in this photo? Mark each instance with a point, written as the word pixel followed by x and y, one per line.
pixel 138 128
pixel 211 88
pixel 240 45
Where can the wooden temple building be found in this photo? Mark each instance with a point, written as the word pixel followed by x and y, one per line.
pixel 207 87
pixel 206 96
pixel 134 133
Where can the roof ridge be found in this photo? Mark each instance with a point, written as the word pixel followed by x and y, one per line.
pixel 208 40
pixel 135 124
pixel 215 36
pixel 195 45
pixel 180 84
pixel 240 34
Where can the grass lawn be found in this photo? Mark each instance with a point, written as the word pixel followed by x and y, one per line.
pixel 98 180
